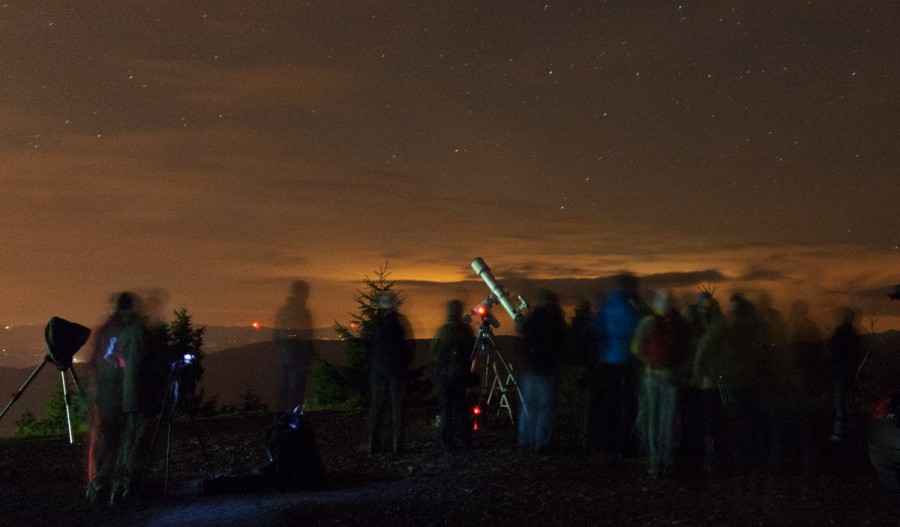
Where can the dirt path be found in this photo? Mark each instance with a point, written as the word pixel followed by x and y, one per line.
pixel 492 483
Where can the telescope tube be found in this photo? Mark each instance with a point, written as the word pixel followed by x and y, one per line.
pixel 500 295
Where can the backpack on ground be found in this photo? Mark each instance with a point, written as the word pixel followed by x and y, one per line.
pixel 294 456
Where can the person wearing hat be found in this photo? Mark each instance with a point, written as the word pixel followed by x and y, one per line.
pixel 390 344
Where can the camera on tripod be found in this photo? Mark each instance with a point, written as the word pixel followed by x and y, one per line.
pixel 187 358
pixel 186 368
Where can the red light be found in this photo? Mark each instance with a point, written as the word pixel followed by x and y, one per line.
pixel 481 310
pixel 881 409
pixel 256 325
pixel 476 411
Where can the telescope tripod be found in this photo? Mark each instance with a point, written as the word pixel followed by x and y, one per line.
pixel 503 382
pixel 170 407
pixel 65 389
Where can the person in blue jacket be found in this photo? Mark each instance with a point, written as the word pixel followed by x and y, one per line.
pixel 614 325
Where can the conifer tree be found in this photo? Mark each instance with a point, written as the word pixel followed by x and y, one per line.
pixel 176 352
pixel 347 385
pixel 185 344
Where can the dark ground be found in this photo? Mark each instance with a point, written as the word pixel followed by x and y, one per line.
pixel 492 483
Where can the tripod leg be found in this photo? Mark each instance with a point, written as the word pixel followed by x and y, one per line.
pixel 75 380
pixel 159 419
pixel 510 379
pixel 202 447
pixel 168 456
pixel 62 376
pixel 19 393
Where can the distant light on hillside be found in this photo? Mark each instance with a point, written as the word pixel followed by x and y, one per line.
pixel 256 325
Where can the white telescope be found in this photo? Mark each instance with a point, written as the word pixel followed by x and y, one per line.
pixel 498 293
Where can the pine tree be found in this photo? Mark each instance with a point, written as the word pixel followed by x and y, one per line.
pixel 250 402
pixel 347 386
pixel 176 351
pixel 185 347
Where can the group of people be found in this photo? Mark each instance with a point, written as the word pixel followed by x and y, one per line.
pixel 696 385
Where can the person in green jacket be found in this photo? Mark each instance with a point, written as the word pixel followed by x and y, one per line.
pixel 117 417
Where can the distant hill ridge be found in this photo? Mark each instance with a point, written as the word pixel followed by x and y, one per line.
pixel 23 346
pixel 230 371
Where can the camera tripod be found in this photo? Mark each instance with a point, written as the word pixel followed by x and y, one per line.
pixel 171 404
pixel 502 382
pixel 62 339
pixel 65 389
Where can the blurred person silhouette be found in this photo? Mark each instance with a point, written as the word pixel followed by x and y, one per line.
pixel 846 348
pixel 797 388
pixel 807 354
pixel 391 351
pixel 450 351
pixel 711 375
pixel 294 346
pixel 120 367
pixel 774 326
pixel 614 326
pixel 592 390
pixel 690 431
pixel 545 340
pixel 782 381
pixel 661 343
pixel 750 377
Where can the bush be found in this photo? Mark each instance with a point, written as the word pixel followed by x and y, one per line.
pixel 54 421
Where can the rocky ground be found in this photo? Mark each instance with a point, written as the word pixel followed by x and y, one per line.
pixel 494 482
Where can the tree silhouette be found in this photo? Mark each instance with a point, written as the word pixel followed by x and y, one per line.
pixel 347 385
pixel 177 354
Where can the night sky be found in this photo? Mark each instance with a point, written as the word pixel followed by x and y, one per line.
pixel 217 151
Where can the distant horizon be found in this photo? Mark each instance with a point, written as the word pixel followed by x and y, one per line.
pixel 32 358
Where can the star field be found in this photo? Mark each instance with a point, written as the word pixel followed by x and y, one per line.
pixel 219 152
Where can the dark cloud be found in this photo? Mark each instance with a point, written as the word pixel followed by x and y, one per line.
pixel 760 273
